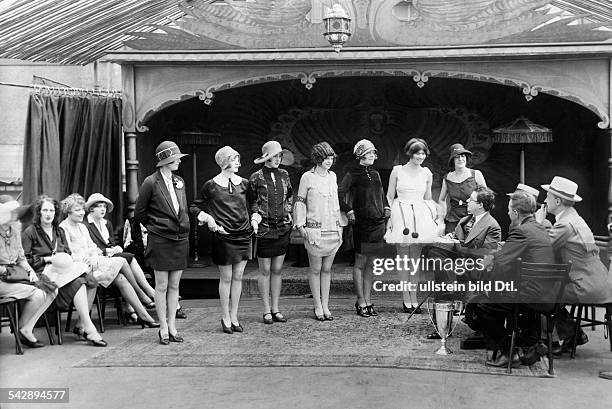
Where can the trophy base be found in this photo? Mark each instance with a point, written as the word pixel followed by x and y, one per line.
pixel 444 351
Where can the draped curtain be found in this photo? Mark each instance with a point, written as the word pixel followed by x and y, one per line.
pixel 73 145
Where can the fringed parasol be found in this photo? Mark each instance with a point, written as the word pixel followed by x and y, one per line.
pixel 522 131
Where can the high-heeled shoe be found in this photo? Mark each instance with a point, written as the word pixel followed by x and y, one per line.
pixel 148 324
pixel 328 317
pixel 318 317
pixel 78 332
pixel 175 338
pixel 95 342
pixel 237 327
pixel 226 329
pixel 149 305
pixel 163 341
pixel 130 317
pixel 362 311
pixel 31 344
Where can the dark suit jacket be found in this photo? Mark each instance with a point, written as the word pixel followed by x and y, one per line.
pixel 530 242
pixel 36 245
pixel 155 211
pixel 97 238
pixel 483 238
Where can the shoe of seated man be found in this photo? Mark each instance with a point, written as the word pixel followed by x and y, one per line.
pixel 180 314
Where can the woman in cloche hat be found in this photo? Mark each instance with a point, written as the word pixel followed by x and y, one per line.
pixel 457 186
pixel 162 208
pixel 272 207
pixel 224 205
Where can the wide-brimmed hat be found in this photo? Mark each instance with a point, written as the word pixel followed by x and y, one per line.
pixel 271 148
pixel 96 198
pixel 563 188
pixel 167 152
pixel 63 269
pixel 527 189
pixel 363 147
pixel 457 149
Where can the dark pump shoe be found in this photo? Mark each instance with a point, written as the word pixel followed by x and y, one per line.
pixel 163 341
pixel 237 327
pixel 31 344
pixel 362 311
pixel 175 338
pixel 371 310
pixel 268 320
pixel 278 317
pixel 226 329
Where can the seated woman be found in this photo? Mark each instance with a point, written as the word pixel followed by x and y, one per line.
pixel 11 255
pixel 106 270
pixel 101 232
pixel 42 240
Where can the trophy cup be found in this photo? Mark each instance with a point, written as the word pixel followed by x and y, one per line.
pixel 444 312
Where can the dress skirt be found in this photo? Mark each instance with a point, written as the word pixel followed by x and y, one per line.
pixel 415 218
pixel 231 249
pixel 127 256
pixel 163 254
pixel 368 232
pixel 107 270
pixel 327 245
pixel 273 247
pixel 66 293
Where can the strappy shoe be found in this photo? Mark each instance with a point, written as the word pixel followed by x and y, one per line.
pixel 78 332
pixel 371 310
pixel 175 338
pixel 278 317
pixel 362 311
pixel 165 340
pixel 268 320
pixel 317 316
pixel 95 342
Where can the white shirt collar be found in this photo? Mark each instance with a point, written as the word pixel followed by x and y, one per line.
pixel 91 219
pixel 477 218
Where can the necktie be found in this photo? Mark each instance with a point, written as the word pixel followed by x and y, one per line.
pixel 469 225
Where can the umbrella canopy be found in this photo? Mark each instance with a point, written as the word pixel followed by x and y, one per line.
pixel 522 130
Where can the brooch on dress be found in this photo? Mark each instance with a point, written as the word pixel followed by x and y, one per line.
pixel 178 184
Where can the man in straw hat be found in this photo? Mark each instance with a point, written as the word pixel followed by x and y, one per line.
pixel 521 187
pixel 573 240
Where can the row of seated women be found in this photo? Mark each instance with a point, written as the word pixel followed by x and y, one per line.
pixel 67 261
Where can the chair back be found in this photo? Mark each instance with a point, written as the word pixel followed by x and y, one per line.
pixel 550 274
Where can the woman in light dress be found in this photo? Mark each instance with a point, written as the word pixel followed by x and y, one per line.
pixel 413 213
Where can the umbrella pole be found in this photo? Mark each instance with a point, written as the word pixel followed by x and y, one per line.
pixel 522 164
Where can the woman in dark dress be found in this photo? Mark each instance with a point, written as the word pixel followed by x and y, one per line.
pixel 363 199
pixel 162 208
pixel 42 241
pixel 271 208
pixel 457 186
pixel 224 206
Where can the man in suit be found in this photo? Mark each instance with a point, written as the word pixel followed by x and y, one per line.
pixel 572 239
pixel 478 234
pixel 528 240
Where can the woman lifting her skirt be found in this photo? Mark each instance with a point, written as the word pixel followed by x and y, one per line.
pixel 162 208
pixel 224 206
pixel 271 208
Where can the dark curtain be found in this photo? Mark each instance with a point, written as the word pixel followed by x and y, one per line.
pixel 73 145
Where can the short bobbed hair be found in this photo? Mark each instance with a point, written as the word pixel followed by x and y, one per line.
pixel 414 145
pixel 72 201
pixel 523 202
pixel 486 197
pixel 38 206
pixel 322 151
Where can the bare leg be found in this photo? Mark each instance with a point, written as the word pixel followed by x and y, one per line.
pixel 276 281
pixel 236 290
pixel 358 270
pixel 130 296
pixel 81 305
pixel 34 307
pixel 314 279
pixel 367 281
pixel 127 272
pixel 141 279
pixel 263 282
pixel 404 276
pixel 326 283
pixel 161 289
pixel 174 277
pixel 225 284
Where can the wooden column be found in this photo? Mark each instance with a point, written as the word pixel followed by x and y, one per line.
pixel 129 132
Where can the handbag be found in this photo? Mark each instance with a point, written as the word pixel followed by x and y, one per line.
pixel 15 274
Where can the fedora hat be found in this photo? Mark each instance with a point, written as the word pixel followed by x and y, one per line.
pixel 457 149
pixel 167 152
pixel 527 189
pixel 563 188
pixel 63 269
pixel 271 148
pixel 96 198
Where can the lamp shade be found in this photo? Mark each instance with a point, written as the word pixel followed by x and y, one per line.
pixel 522 130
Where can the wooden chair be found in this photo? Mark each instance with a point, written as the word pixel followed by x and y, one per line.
pixel 9 305
pixel 555 275
pixel 69 310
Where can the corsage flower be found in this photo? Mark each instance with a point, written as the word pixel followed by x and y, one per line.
pixel 177 183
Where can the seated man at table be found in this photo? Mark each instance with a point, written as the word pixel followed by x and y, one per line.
pixel 529 241
pixel 572 239
pixel 476 235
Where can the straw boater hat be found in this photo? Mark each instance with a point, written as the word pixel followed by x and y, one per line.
pixel 563 188
pixel 96 198
pixel 63 270
pixel 362 148
pixel 456 150
pixel 271 148
pixel 167 152
pixel 527 189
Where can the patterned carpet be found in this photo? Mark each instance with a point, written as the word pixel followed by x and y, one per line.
pixel 348 341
